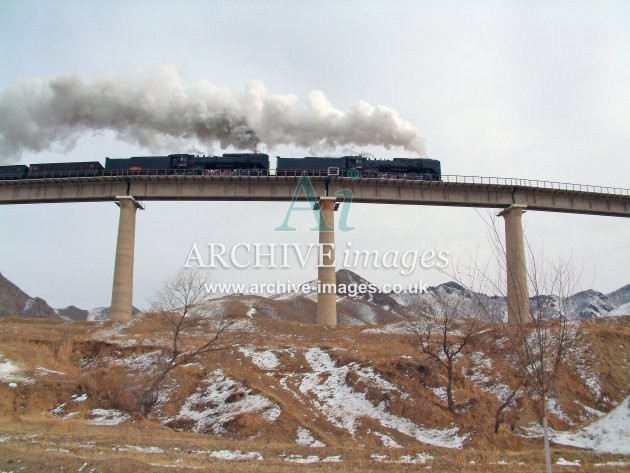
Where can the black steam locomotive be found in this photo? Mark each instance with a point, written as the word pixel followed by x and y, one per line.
pixel 234 164
pixel 244 164
pixel 360 166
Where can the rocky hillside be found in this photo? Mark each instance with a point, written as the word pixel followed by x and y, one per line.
pixel 73 313
pixel 103 313
pixel 363 397
pixel 14 301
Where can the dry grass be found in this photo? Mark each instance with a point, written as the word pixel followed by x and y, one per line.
pixel 47 445
pixel 33 439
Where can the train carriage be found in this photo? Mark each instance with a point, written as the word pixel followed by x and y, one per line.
pixel 59 170
pixel 15 171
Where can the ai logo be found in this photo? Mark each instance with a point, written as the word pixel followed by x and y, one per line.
pixel 306 186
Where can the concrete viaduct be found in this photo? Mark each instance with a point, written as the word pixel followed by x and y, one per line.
pixel 512 196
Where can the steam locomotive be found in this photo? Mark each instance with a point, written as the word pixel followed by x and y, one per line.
pixel 239 164
pixel 360 166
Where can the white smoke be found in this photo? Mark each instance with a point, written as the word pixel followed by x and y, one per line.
pixel 159 111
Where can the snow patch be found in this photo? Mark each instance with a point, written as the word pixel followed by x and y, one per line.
pixel 235 455
pixel 11 373
pixel 41 371
pixel 623 309
pixel 58 410
pixel 107 417
pixel 145 363
pixel 138 448
pixel 387 441
pixel 301 459
pixel 221 401
pixel 417 459
pixel 440 392
pixel 553 407
pixel 531 431
pixel 610 434
pixel 481 373
pixel 265 360
pixel 589 410
pixel 344 407
pixel 613 463
pixel 587 372
pixel 304 437
pixel 271 415
pixel 98 314
pixel 399 328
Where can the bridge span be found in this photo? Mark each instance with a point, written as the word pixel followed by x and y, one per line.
pixel 513 196
pixel 459 191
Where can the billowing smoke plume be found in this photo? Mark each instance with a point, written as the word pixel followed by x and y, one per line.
pixel 159 111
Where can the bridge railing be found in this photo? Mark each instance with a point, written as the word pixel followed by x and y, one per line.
pixel 353 174
pixel 536 183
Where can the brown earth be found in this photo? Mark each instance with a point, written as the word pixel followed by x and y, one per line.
pixel 59 360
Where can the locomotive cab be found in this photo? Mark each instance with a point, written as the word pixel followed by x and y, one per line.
pixel 355 162
pixel 181 161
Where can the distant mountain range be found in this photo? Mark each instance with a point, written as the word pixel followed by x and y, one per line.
pixel 14 301
pixel 96 314
pixel 585 304
pixel 352 309
pixel 381 308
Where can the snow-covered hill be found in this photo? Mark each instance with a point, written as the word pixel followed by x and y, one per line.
pixel 585 304
pixel 353 306
pixel 610 434
pixel 103 313
pixel 295 391
pixel 621 310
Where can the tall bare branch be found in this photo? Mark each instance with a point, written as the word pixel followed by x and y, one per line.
pixel 183 305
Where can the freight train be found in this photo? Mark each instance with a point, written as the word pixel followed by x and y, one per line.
pixel 232 164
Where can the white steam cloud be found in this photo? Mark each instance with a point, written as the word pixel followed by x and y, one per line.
pixel 158 110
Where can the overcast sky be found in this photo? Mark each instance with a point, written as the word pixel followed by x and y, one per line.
pixel 531 89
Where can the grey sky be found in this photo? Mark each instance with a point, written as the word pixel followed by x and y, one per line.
pixel 527 89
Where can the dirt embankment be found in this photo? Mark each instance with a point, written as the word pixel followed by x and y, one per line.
pixel 370 397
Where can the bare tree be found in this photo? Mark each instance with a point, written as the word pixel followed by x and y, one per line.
pixel 58 344
pixel 489 314
pixel 443 330
pixel 521 387
pixel 194 331
pixel 539 343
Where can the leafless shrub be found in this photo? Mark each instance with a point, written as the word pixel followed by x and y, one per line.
pixel 539 343
pixel 443 330
pixel 194 331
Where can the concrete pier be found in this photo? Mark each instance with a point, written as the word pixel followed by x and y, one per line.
pixel 326 276
pixel 122 289
pixel 517 292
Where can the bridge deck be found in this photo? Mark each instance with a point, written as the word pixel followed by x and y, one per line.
pixel 460 191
